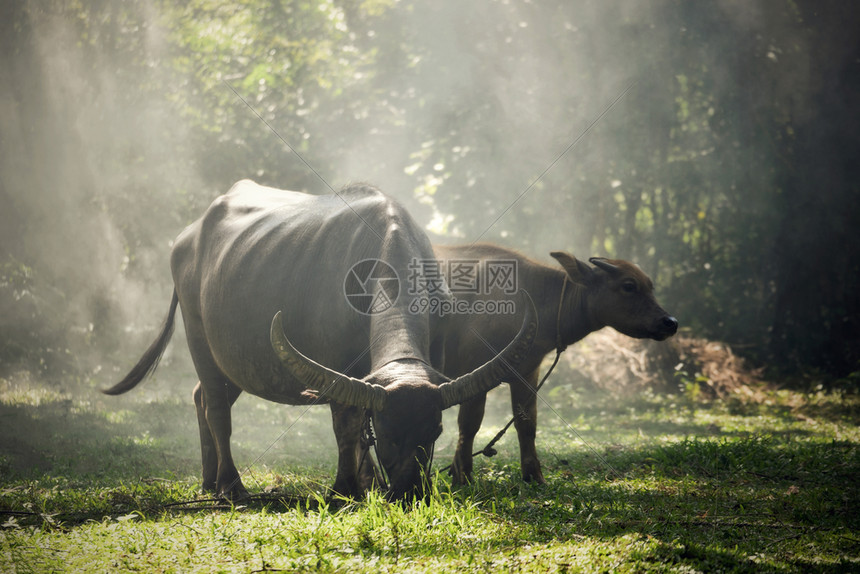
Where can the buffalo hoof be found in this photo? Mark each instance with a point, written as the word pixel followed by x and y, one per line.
pixel 460 479
pixel 459 475
pixel 347 490
pixel 534 475
pixel 235 494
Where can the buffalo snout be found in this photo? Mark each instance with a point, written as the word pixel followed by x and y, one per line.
pixel 410 478
pixel 666 327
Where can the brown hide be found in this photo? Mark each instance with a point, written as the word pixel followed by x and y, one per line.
pixel 571 303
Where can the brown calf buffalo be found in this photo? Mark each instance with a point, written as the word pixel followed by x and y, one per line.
pixel 571 303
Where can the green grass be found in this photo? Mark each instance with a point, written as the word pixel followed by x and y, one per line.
pixel 646 484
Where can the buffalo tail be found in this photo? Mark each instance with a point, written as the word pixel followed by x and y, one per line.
pixel 150 358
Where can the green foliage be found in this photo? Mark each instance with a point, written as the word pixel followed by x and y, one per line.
pixel 724 170
pixel 290 64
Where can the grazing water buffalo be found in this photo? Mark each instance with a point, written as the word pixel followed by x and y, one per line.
pixel 326 268
pixel 571 303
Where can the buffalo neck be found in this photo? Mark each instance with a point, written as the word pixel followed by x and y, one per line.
pixel 397 336
pixel 572 322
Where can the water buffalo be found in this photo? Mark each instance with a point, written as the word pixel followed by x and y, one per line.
pixel 571 302
pixel 327 269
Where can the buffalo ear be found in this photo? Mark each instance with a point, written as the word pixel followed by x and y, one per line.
pixel 579 272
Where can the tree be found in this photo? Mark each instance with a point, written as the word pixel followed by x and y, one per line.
pixel 712 143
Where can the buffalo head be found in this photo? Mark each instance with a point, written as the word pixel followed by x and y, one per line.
pixel 405 399
pixel 619 295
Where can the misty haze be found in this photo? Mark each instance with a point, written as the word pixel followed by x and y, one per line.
pixel 714 145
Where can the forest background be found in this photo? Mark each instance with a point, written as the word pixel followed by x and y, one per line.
pixel 715 144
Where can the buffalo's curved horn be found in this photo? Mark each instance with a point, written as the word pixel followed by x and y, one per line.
pixel 490 374
pixel 337 386
pixel 604 264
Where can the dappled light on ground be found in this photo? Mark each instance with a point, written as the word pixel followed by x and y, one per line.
pixel 648 480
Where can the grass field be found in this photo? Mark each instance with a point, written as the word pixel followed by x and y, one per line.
pixel 644 484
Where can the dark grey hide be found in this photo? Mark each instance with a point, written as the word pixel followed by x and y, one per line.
pixel 258 252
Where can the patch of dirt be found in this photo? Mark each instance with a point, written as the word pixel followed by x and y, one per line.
pixel 610 361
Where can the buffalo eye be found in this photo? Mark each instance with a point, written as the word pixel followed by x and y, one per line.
pixel 629 286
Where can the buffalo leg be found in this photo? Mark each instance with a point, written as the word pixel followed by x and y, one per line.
pixel 213 399
pixel 208 449
pixel 207 442
pixel 469 420
pixel 524 405
pixel 217 402
pixel 355 469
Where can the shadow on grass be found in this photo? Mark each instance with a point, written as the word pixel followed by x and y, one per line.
pixel 728 504
pixel 61 438
pixel 110 440
pixel 65 461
